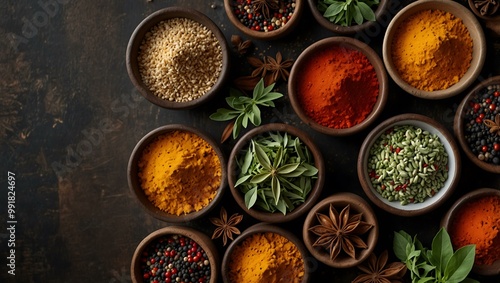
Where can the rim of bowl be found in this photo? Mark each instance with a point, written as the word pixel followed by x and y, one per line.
pixel 361 206
pixel 454 165
pixel 478 14
pixel 199 237
pixel 263 228
pixel 271 35
pixel 277 217
pixel 137 191
pixel 351 43
pixel 135 42
pixel 458 126
pixel 478 48
pixel 485 270
pixel 324 22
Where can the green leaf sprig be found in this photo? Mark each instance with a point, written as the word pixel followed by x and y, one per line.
pixel 277 172
pixel 437 265
pixel 244 108
pixel 343 12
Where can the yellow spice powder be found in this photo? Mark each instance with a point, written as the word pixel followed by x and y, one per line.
pixel 266 258
pixel 432 50
pixel 180 172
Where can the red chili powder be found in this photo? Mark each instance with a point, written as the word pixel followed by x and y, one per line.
pixel 478 222
pixel 338 88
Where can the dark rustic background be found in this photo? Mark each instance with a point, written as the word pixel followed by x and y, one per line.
pixel 69 118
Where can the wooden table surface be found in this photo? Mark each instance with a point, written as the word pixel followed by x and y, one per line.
pixel 70 117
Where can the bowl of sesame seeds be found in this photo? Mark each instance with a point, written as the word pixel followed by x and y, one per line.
pixel 409 165
pixel 178 58
pixel 264 19
pixel 477 125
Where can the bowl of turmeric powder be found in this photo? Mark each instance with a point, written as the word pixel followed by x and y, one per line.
pixel 434 49
pixel 474 219
pixel 177 173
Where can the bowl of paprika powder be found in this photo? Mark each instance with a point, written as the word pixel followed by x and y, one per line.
pixel 338 86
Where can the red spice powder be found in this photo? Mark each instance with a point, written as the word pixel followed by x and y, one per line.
pixel 338 88
pixel 478 222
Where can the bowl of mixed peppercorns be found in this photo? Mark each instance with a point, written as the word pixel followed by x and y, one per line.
pixel 409 165
pixel 175 254
pixel 264 19
pixel 477 125
pixel 178 58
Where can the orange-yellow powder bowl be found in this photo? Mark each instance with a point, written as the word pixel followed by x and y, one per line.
pixel 323 116
pixel 173 187
pixel 448 221
pixel 478 48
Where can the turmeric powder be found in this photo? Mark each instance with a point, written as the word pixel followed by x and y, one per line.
pixel 266 258
pixel 180 172
pixel 432 50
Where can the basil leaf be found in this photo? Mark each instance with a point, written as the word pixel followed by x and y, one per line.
pixel 237 126
pixel 251 197
pixel 257 91
pixel 425 279
pixel 268 97
pixel 366 11
pixel 400 243
pixel 358 17
pixel 223 114
pixel 334 9
pixel 256 120
pixel 460 264
pixel 442 250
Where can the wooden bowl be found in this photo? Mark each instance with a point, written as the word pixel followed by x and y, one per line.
pixel 347 30
pixel 137 38
pixel 276 217
pixel 430 203
pixel 459 124
pixel 201 239
pixel 264 228
pixel 340 201
pixel 138 192
pixel 270 35
pixel 478 49
pixel 296 75
pixel 447 221
pixel 494 18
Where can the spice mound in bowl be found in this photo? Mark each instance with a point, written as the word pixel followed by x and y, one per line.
pixel 330 15
pixel 474 219
pixel 420 48
pixel 265 253
pixel 177 173
pixel 177 58
pixel 338 86
pixel 477 125
pixel 409 165
pixel 265 19
pixel 275 173
pixel 159 256
pixel 341 230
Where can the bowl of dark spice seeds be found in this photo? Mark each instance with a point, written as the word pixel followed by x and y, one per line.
pixel 409 165
pixel 477 125
pixel 175 254
pixel 275 173
pixel 265 19
pixel 177 58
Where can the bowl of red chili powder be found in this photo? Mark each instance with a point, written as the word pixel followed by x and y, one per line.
pixel 338 86
pixel 475 219
pixel 177 173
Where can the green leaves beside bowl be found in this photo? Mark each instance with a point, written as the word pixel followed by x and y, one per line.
pixel 343 12
pixel 277 172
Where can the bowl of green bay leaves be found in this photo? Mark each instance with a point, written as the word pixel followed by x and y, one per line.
pixel 275 172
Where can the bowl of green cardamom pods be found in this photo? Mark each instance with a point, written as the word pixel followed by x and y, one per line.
pixel 409 165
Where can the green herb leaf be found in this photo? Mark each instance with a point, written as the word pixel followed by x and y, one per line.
pixel 401 241
pixel 223 114
pixel 251 197
pixel 358 17
pixel 276 189
pixel 262 156
pixel 442 250
pixel 460 264
pixel 242 180
pixel 334 9
pixel 366 11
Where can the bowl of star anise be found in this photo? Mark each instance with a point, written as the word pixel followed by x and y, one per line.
pixel 486 9
pixel 341 231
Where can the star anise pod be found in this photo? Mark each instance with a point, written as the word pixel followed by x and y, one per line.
pixel 487 7
pixel 378 271
pixel 265 7
pixel 340 232
pixel 279 68
pixel 240 45
pixel 493 125
pixel 261 66
pixel 226 227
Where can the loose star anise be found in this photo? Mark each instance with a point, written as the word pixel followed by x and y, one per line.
pixel 240 45
pixel 279 68
pixel 265 6
pixel 340 232
pixel 493 125
pixel 226 228
pixel 376 270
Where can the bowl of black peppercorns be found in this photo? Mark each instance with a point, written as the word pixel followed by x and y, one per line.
pixel 477 125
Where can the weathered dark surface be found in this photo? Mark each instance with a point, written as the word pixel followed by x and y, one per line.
pixel 69 118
